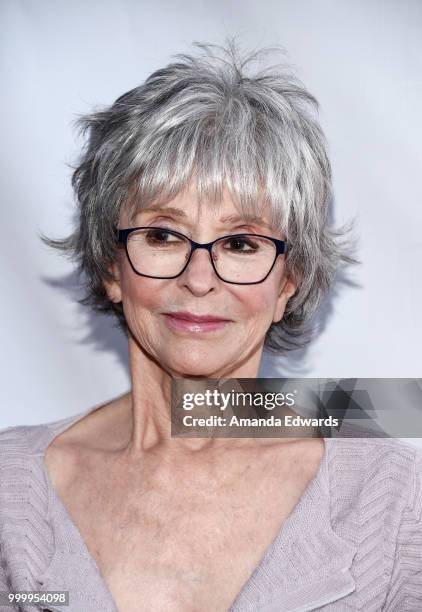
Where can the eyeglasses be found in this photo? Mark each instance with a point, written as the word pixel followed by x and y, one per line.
pixel 240 259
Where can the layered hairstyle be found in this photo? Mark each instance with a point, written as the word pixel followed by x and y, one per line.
pixel 221 119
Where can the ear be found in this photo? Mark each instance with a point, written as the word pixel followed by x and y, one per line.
pixel 287 289
pixel 113 287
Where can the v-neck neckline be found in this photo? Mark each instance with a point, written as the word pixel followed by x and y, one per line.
pixel 70 546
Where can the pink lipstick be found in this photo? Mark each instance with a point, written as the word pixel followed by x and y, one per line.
pixel 189 322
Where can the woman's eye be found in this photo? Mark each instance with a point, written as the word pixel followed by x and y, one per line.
pixel 241 245
pixel 160 236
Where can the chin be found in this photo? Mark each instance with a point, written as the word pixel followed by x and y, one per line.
pixel 191 368
pixel 187 371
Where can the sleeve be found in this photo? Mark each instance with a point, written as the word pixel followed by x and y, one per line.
pixel 405 591
pixel 3 582
pixel 4 578
pixel 4 586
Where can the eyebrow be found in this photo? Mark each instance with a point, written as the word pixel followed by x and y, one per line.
pixel 177 212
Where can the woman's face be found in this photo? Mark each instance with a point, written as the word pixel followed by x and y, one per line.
pixel 230 348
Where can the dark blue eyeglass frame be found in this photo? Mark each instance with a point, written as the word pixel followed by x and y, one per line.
pixel 123 235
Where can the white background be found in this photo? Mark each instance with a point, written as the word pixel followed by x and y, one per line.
pixel 363 62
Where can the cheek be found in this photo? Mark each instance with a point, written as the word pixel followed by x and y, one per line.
pixel 138 292
pixel 258 303
pixel 141 296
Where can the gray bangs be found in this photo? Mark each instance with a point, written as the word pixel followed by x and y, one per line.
pixel 216 119
pixel 217 154
pixel 252 136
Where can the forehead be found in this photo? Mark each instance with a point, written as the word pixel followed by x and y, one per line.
pixel 189 205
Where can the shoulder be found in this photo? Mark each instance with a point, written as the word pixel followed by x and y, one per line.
pixel 372 477
pixel 369 456
pixel 24 442
pixel 24 525
pixel 374 484
pixel 375 489
pixel 18 444
pixel 32 440
pixel 21 475
pixel 22 470
pixel 364 468
pixel 19 437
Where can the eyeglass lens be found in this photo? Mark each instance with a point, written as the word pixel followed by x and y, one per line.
pixel 163 254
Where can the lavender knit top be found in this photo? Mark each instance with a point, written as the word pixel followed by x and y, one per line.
pixel 352 542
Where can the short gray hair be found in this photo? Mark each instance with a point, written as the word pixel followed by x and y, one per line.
pixel 209 117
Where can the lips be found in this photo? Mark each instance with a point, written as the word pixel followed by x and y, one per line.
pixel 192 323
pixel 188 316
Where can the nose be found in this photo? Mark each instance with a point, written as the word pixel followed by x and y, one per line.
pixel 199 276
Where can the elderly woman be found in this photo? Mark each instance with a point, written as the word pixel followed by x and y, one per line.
pixel 202 198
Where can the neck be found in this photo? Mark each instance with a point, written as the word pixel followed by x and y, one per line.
pixel 149 403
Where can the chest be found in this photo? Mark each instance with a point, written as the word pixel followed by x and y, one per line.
pixel 181 546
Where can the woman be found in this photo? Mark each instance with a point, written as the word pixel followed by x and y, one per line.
pixel 107 505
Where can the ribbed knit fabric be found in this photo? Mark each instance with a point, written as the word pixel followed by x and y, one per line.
pixel 353 541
